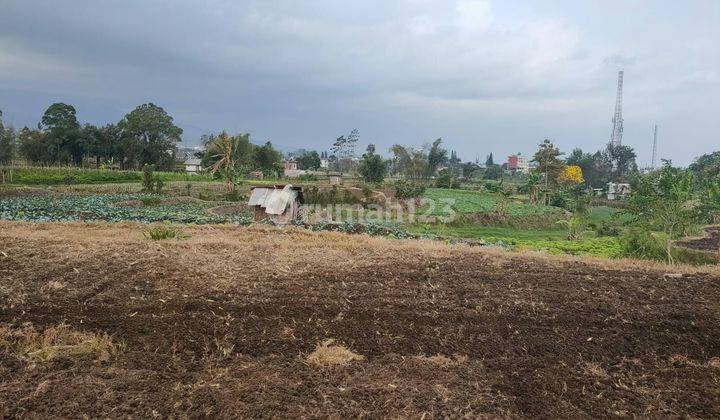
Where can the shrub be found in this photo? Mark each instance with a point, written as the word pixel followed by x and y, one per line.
pixel 307 177
pixel 447 179
pixel 574 227
pixel 644 244
pixel 149 200
pixel 327 196
pixel 407 189
pixel 559 199
pixel 373 168
pixel 493 187
pixel 234 196
pixel 148 182
pixel 606 228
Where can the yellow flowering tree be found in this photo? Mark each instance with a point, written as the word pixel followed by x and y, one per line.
pixel 572 174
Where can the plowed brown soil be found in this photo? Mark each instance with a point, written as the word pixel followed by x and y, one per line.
pixel 222 324
pixel 709 242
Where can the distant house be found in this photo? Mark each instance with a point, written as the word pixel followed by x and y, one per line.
pixel 290 169
pixel 324 163
pixel 193 165
pixel 617 191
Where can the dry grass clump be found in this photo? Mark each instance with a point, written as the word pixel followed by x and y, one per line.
pixel 442 360
pixel 328 354
pixel 53 285
pixel 29 344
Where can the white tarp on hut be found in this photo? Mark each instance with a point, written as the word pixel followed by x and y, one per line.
pixel 278 200
pixel 259 196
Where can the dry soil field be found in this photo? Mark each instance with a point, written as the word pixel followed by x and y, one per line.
pixel 96 320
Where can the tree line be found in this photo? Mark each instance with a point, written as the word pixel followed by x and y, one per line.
pixel 146 135
pixel 614 163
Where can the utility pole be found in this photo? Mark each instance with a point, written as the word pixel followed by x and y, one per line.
pixel 617 132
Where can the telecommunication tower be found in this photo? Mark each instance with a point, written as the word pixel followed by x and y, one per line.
pixel 653 162
pixel 617 133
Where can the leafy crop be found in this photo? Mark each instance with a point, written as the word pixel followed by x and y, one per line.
pixel 164 232
pixel 62 208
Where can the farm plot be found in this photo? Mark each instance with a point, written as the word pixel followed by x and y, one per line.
pixel 264 322
pixel 709 242
pixel 111 208
pixel 466 201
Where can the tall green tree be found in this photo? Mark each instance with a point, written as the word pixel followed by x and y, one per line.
pixel 411 163
pixel 589 165
pixel 437 156
pixel 33 147
pixel 309 161
pixel 710 195
pixel 344 150
pixel 489 161
pixel 101 142
pixel 619 160
pixel 373 168
pixel 7 143
pixel 706 167
pixel 267 159
pixel 549 164
pixel 665 200
pixel 469 169
pixel 232 156
pixel 531 185
pixel 493 171
pixel 63 137
pixel 149 137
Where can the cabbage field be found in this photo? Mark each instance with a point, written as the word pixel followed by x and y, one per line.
pixel 146 208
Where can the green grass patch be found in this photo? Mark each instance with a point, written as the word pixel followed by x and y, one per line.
pixel 553 241
pixel 71 176
pixel 607 247
pixel 488 232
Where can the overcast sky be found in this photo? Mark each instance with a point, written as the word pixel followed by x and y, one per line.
pixel 486 76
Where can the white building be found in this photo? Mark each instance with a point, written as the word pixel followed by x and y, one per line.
pixel 618 191
pixel 324 163
pixel 518 163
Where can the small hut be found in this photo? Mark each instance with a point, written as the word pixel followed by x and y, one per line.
pixel 279 203
pixel 335 178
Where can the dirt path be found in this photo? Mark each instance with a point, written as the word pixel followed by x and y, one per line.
pixel 222 324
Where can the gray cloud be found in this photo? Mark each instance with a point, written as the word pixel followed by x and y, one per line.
pixel 486 76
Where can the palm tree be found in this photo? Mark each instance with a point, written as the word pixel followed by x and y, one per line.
pixel 231 152
pixel 531 185
pixel 410 162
